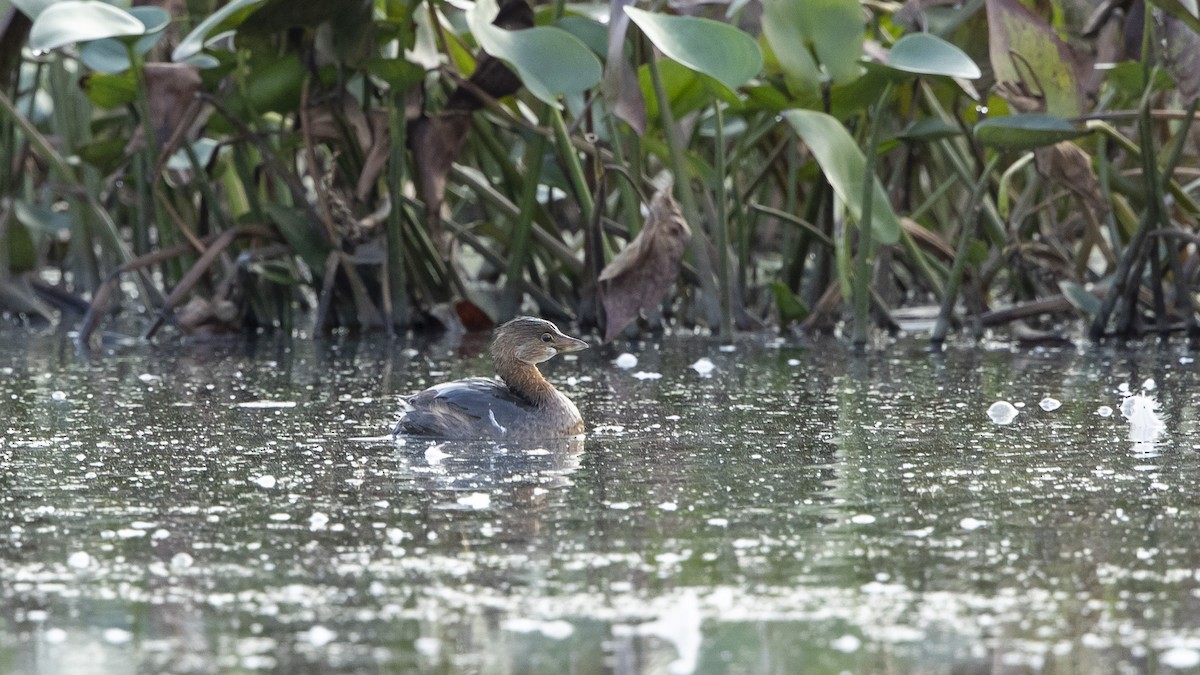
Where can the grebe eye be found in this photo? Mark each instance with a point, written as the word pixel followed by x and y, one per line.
pixel 546 337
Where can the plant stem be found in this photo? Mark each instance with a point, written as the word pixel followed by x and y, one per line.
pixel 683 190
pixel 862 258
pixel 721 229
pixel 960 256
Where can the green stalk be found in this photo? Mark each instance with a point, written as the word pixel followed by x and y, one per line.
pixel 960 256
pixel 720 228
pixel 862 257
pixel 518 252
pixel 396 282
pixel 630 202
pixel 683 189
pixel 1129 266
pixel 574 168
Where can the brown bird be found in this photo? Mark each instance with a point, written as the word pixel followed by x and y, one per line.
pixel 524 406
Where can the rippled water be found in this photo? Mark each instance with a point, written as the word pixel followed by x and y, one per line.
pixel 796 509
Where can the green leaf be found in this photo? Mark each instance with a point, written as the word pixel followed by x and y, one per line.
pixel 832 28
pixel 1024 132
pixel 550 61
pixel 112 56
pixel 709 47
pixel 591 33
pixel 398 73
pixel 928 54
pixel 32 8
pixel 226 18
pixel 19 249
pixel 929 129
pixel 105 154
pixel 42 221
pixel 109 91
pixel 845 168
pixel 72 21
pixel 1080 298
pixel 297 231
pixel 203 148
pixel 790 307
pixel 685 90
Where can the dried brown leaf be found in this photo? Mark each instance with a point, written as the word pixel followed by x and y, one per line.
pixel 621 88
pixel 640 275
pixel 435 143
pixel 1067 165
pixel 170 88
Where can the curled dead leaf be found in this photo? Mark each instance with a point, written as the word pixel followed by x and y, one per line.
pixel 640 275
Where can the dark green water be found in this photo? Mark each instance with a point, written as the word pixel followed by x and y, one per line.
pixel 799 510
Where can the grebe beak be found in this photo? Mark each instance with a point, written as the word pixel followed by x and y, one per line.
pixel 566 344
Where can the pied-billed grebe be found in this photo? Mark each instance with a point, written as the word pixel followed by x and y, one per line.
pixel 524 406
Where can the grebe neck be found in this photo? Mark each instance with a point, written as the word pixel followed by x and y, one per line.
pixel 525 380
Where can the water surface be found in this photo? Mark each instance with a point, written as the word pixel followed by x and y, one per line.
pixel 798 509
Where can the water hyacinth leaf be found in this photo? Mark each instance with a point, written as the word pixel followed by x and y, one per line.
pixel 845 167
pixel 928 54
pixel 833 29
pixel 1024 132
pixel 784 32
pixel 32 8
pixel 709 47
pixel 590 33
pixel 550 61
pixel 639 276
pixel 111 55
pixel 71 21
pixel 226 18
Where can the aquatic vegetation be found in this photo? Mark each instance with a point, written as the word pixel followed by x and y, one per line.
pixel 395 164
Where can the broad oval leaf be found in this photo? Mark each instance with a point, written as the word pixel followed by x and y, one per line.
pixel 72 21
pixel 784 31
pixel 845 168
pixel 1024 132
pixel 110 55
pixel 225 18
pixel 550 61
pixel 32 8
pixel 712 48
pixel 928 54
pixel 833 28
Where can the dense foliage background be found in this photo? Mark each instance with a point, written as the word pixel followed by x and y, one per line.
pixel 385 164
